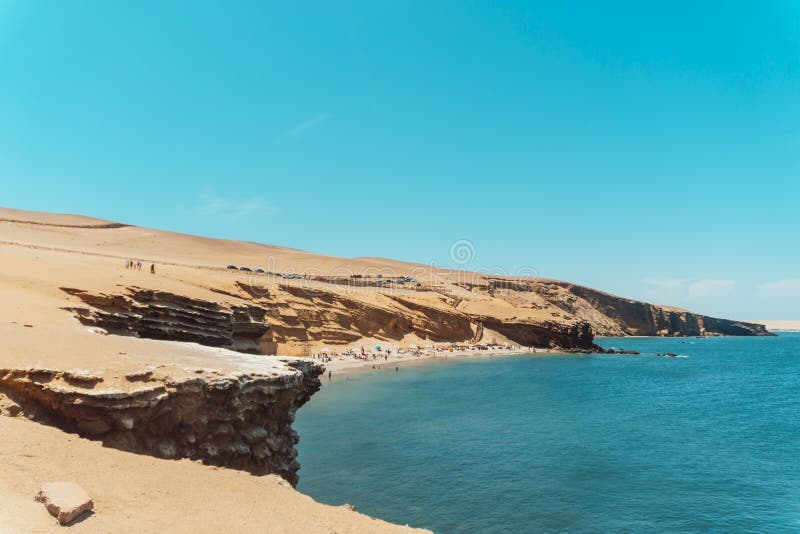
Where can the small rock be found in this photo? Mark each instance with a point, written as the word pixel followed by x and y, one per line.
pixel 261 451
pixel 167 449
pixel 65 501
pixel 237 447
pixel 279 480
pixel 139 375
pixel 127 421
pixel 82 375
pixel 254 433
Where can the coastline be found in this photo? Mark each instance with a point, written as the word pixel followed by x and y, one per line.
pixel 111 335
pixel 343 365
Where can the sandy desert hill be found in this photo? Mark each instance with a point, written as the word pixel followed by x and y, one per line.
pixel 339 301
pixel 176 363
pixel 151 395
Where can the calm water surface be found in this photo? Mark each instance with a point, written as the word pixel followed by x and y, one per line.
pixel 710 442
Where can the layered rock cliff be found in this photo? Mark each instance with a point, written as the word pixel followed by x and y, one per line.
pixel 175 363
pixel 289 317
pixel 611 315
pixel 239 420
pixel 162 315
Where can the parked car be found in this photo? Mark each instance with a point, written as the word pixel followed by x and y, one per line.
pixel 248 269
pixel 235 268
pixel 260 271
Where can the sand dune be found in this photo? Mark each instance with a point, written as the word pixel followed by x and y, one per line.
pixel 136 493
pixel 70 305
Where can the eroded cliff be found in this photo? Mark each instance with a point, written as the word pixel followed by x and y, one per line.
pixel 288 318
pixel 175 364
pixel 621 317
pixel 163 315
pixel 232 419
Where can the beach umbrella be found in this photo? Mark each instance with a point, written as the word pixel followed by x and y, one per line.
pixel 377 347
pixel 413 347
pixel 326 349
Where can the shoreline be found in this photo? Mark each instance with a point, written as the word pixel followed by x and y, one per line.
pixel 350 365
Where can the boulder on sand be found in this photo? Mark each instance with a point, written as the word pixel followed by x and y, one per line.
pixel 65 501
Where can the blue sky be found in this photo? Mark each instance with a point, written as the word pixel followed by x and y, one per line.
pixel 648 150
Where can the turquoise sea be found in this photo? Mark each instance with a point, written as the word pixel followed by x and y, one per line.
pixel 563 443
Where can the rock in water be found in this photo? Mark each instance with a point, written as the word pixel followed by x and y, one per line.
pixel 65 501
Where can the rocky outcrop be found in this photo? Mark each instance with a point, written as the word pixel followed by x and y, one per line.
pixel 576 337
pixel 66 501
pixel 437 323
pixel 630 317
pixel 236 420
pixel 160 315
pixel 332 318
pixel 285 319
pixel 727 327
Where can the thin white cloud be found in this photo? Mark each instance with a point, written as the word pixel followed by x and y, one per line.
pixel 711 288
pixel 789 287
pixel 676 290
pixel 664 289
pixel 212 204
pixel 310 123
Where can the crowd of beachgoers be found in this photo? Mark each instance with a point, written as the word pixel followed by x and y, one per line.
pixel 381 353
pixel 389 356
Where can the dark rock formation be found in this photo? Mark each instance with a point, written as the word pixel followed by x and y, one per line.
pixel 619 351
pixel 726 327
pixel 160 315
pixel 234 420
pixel 575 337
pixel 631 317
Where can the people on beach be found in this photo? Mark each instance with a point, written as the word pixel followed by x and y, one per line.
pixel 152 268
pixel 329 376
pixel 137 264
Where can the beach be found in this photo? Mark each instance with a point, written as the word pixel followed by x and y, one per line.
pixel 107 328
pixel 137 493
pixel 347 364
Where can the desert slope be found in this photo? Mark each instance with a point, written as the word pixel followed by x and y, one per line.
pixel 137 493
pixel 339 301
pixel 172 364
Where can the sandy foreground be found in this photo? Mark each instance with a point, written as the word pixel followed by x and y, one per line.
pixel 132 492
pixel 46 257
pixel 138 493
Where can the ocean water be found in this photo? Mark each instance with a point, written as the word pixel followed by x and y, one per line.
pixel 601 443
